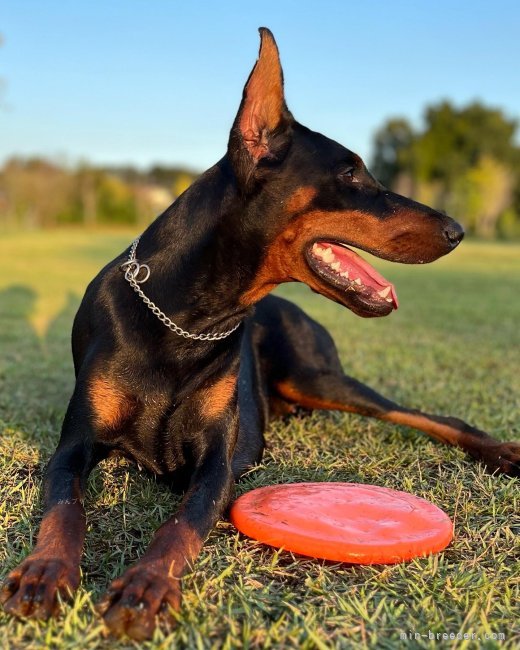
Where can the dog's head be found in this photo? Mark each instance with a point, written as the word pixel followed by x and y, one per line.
pixel 312 200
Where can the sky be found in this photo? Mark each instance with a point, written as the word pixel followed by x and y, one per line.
pixel 159 81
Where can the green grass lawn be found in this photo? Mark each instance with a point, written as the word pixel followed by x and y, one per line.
pixel 452 348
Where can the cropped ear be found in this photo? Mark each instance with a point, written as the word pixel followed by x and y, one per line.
pixel 261 131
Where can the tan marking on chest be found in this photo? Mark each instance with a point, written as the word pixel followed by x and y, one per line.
pixel 217 397
pixel 110 404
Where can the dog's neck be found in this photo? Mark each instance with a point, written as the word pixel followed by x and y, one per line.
pixel 203 252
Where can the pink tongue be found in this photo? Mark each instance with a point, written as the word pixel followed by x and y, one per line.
pixel 357 267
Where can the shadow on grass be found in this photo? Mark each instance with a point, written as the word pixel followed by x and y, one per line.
pixel 36 376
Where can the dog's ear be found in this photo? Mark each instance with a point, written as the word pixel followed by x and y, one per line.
pixel 262 128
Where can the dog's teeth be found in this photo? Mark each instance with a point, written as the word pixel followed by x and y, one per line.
pixel 384 292
pixel 388 299
pixel 328 256
pixel 317 250
pixel 336 266
pixel 358 281
pixel 344 274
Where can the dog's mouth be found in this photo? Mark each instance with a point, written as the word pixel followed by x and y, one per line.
pixel 355 282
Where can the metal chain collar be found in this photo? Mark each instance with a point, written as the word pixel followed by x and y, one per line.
pixel 132 268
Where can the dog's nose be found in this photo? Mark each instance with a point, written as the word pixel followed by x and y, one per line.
pixel 454 233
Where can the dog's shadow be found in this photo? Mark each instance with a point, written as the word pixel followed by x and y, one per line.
pixel 36 380
pixel 36 376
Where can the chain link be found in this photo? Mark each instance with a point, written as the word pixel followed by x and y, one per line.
pixel 132 269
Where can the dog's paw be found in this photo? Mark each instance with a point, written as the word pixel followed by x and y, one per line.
pixel 503 457
pixel 32 589
pixel 138 601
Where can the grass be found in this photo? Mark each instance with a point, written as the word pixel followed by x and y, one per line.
pixel 453 347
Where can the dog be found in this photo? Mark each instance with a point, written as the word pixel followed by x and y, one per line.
pixel 181 356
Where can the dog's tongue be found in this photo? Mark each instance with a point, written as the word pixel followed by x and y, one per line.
pixel 357 267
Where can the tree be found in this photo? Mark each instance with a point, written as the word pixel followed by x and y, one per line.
pixel 485 191
pixel 393 150
pixel 115 201
pixel 455 139
pixel 37 193
pixel 464 160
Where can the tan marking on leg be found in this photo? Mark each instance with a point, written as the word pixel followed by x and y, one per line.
pixel 182 554
pixel 438 430
pixel 217 397
pixel 442 432
pixel 111 405
pixel 478 444
pixel 61 532
pixel 293 394
pixel 173 549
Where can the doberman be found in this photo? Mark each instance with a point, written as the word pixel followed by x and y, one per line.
pixel 182 372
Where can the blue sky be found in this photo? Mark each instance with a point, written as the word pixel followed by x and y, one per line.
pixel 140 81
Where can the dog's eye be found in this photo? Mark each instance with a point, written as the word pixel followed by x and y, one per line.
pixel 347 175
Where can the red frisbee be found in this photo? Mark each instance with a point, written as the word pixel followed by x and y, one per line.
pixel 343 522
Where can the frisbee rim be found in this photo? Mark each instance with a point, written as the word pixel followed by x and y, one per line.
pixel 256 526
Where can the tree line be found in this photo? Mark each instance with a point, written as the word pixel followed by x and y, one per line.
pixel 465 161
pixel 35 192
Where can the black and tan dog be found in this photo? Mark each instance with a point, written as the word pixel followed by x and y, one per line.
pixel 284 204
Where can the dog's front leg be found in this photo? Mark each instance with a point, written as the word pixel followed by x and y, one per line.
pixel 51 571
pixel 144 594
pixel 32 589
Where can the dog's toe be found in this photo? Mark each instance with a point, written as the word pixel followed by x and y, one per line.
pixel 509 458
pixel 503 457
pixel 34 589
pixel 139 601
